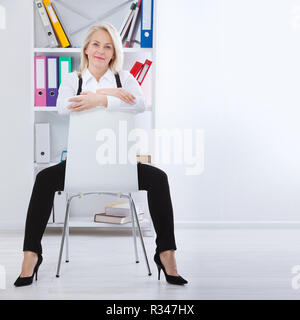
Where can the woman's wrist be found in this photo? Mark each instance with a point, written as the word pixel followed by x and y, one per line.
pixel 102 100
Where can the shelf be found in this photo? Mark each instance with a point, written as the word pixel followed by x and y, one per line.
pixel 78 50
pixel 54 109
pixel 88 222
pixel 45 109
pixel 57 50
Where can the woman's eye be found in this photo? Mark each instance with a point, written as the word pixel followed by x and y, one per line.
pixel 96 44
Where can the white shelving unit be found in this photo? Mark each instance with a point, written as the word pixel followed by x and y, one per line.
pixel 58 123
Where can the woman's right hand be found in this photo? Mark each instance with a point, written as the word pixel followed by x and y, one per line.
pixel 119 93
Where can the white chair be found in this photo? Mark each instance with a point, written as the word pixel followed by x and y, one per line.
pixel 86 172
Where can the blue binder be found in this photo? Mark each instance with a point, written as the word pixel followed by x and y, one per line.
pixel 146 23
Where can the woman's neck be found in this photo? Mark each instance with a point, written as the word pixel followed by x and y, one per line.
pixel 97 73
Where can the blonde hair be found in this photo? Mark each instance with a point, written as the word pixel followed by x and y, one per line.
pixel 116 63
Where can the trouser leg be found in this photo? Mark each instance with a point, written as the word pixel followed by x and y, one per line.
pixel 47 182
pixel 155 182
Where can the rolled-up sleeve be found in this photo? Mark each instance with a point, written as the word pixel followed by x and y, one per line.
pixel 67 89
pixel 132 86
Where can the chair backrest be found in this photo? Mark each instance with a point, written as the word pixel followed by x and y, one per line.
pixel 97 158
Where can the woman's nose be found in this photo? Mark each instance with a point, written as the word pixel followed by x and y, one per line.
pixel 101 50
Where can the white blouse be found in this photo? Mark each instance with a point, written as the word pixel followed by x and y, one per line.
pixel 69 86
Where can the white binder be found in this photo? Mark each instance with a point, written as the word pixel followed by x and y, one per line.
pixel 51 219
pixel 59 206
pixel 42 142
pixel 46 24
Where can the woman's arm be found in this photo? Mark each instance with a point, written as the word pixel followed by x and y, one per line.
pixel 87 100
pixel 129 98
pixel 132 87
pixel 117 92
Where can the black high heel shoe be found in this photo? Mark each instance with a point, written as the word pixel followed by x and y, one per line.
pixel 20 282
pixel 171 279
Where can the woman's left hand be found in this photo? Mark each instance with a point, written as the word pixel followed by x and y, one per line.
pixel 86 100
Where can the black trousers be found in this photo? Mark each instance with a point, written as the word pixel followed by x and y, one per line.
pixel 52 179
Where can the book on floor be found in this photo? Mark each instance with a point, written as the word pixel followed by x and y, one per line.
pixel 104 218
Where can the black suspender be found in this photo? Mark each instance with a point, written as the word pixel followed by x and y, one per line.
pixel 79 85
pixel 119 85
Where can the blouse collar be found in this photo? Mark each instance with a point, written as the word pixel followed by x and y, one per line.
pixel 87 76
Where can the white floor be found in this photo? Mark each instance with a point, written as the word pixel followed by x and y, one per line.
pixel 218 263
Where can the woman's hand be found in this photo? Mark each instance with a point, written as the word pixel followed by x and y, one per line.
pixel 119 93
pixel 87 100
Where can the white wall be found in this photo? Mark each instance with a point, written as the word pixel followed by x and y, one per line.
pixel 232 69
pixel 15 122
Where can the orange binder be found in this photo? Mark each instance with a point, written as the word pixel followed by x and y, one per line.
pixel 61 35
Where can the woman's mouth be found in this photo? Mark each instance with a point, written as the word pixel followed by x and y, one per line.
pixel 99 58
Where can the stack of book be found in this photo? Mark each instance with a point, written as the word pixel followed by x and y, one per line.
pixel 118 213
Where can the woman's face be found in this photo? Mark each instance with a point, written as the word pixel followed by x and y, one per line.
pixel 100 49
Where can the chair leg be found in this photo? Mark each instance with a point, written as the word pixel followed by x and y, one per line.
pixel 140 232
pixel 63 238
pixel 134 232
pixel 67 240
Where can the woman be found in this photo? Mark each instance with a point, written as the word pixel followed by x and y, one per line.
pixel 101 73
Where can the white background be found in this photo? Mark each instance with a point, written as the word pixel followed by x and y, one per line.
pixel 231 68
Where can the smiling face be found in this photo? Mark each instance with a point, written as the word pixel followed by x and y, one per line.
pixel 100 49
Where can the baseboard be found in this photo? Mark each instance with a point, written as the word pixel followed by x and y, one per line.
pixel 236 224
pixel 182 224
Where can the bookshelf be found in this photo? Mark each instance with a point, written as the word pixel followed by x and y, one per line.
pixel 67 10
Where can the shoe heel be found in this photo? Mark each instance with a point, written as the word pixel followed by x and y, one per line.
pixel 158 270
pixel 36 276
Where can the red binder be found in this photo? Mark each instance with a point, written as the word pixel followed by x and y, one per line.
pixel 136 68
pixel 144 71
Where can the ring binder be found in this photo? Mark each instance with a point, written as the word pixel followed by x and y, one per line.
pixel 52 80
pixel 40 81
pixel 46 24
pixel 62 37
pixel 147 24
